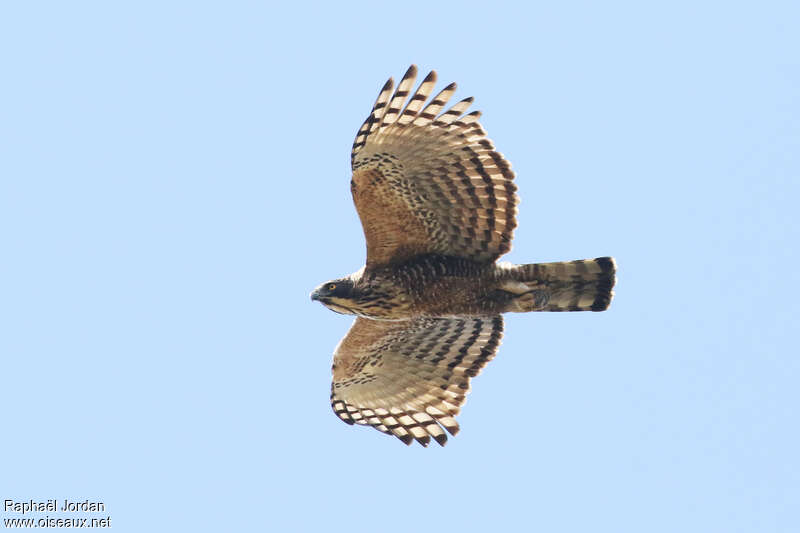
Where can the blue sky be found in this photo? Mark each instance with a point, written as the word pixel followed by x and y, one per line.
pixel 174 182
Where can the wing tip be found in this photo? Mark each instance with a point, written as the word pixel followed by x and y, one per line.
pixel 407 439
pixel 411 72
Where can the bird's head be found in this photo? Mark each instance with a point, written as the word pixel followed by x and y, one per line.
pixel 337 295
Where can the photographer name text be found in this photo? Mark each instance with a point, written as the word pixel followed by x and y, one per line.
pixel 51 506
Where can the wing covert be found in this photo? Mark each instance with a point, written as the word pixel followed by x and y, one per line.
pixel 427 181
pixel 410 378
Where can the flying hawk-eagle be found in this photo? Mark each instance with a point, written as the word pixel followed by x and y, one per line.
pixel 438 207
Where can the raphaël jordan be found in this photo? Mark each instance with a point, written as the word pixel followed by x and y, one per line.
pixel 51 506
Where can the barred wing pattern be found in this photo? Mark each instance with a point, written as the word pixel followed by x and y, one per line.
pixel 430 182
pixel 410 378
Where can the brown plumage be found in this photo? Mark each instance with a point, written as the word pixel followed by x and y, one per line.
pixel 438 207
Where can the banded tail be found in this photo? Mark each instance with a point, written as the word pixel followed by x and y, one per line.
pixel 583 285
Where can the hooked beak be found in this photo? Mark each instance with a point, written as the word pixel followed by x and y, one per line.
pixel 315 295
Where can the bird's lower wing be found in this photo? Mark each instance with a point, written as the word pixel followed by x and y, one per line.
pixel 410 378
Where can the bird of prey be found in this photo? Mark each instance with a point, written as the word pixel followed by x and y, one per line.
pixel 438 207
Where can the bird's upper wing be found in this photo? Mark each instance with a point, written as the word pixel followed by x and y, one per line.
pixel 410 378
pixel 430 182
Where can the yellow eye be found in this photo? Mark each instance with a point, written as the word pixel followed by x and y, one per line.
pixel 331 286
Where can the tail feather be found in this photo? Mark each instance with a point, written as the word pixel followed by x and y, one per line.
pixel 583 285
